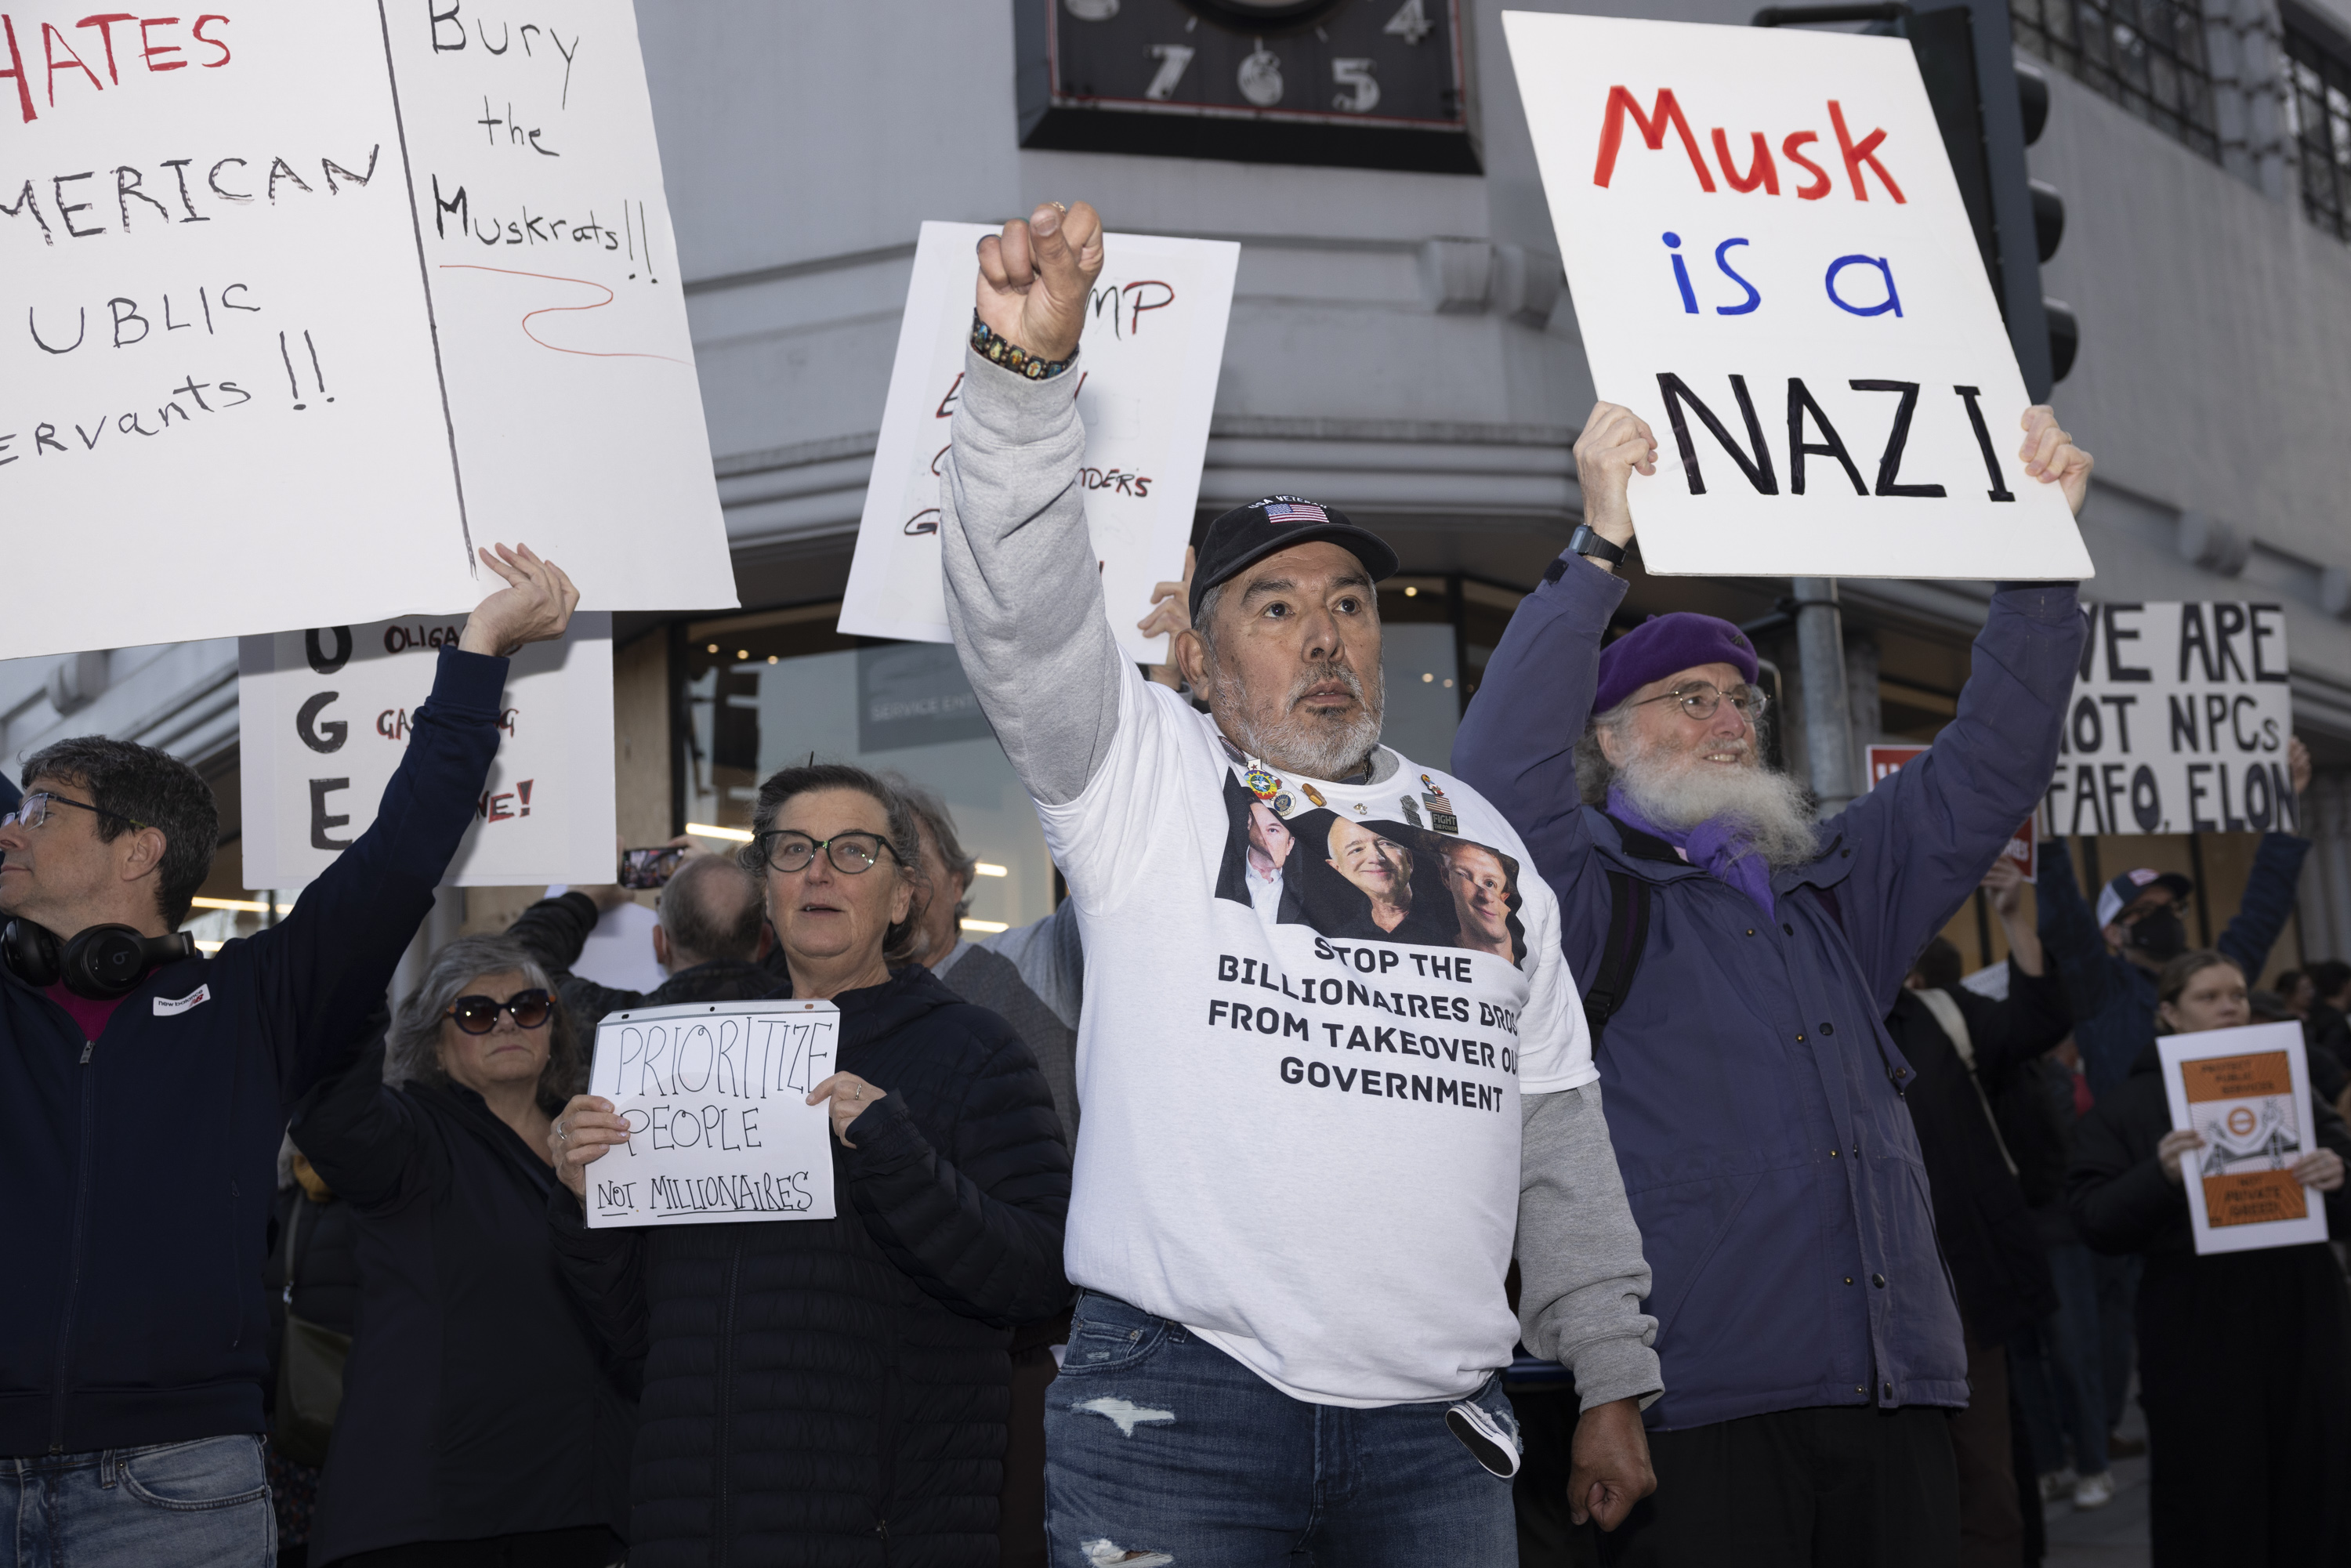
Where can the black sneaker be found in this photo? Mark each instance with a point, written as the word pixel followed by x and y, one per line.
pixel 1491 1443
pixel 2121 1447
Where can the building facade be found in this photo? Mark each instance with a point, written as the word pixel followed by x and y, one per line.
pixel 1401 346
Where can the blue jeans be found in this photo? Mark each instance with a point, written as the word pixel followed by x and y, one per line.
pixel 1160 1449
pixel 2058 1371
pixel 201 1504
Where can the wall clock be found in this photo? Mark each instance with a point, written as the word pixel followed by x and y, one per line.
pixel 1372 84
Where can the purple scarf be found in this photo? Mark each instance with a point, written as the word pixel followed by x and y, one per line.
pixel 1715 846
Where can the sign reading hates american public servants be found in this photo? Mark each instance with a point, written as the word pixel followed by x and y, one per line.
pixel 305 299
pixel 323 719
pixel 2180 723
pixel 1771 266
pixel 1145 384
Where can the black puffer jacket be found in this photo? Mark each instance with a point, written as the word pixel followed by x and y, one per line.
pixel 826 1393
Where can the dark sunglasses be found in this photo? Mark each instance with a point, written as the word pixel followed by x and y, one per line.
pixel 479 1014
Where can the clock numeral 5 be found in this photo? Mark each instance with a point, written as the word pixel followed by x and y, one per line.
pixel 1172 58
pixel 1411 24
pixel 1357 74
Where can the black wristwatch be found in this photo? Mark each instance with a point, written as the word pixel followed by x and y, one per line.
pixel 1586 541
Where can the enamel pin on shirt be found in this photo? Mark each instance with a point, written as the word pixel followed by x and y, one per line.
pixel 1441 815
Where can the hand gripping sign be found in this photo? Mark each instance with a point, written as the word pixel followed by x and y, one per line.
pixel 323 718
pixel 1144 382
pixel 1771 266
pixel 715 1097
pixel 307 299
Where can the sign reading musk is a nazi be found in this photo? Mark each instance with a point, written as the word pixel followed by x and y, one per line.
pixel 2179 723
pixel 1771 266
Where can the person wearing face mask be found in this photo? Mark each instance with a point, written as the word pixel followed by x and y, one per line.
pixel 834 1390
pixel 2244 1357
pixel 2107 960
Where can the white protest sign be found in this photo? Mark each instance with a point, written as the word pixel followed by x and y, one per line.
pixel 1771 266
pixel 309 299
pixel 2247 1091
pixel 1146 381
pixel 715 1097
pixel 2180 723
pixel 323 719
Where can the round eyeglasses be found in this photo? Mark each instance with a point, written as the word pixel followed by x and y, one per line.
pixel 479 1014
pixel 851 854
pixel 1700 699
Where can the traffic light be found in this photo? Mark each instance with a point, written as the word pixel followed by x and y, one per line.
pixel 1988 108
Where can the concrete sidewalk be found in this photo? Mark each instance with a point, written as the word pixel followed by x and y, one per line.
pixel 2115 1536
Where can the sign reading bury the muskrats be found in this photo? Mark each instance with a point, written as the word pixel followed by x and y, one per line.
pixel 305 300
pixel 716 1097
pixel 1770 264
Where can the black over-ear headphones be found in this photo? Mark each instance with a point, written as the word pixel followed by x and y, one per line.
pixel 102 962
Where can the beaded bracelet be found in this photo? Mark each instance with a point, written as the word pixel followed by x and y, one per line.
pixel 1011 356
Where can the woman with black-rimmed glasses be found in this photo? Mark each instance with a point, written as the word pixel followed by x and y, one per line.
pixel 481 1421
pixel 834 1391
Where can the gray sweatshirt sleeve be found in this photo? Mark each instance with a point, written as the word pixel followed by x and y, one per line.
pixel 1581 1277
pixel 1023 589
pixel 1051 957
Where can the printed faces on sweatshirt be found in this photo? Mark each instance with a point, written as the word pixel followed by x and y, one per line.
pixel 1311 1009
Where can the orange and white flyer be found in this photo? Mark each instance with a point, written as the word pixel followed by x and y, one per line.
pixel 2248 1092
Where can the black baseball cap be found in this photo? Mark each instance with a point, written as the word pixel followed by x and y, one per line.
pixel 1248 534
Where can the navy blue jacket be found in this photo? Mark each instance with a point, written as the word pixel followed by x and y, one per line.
pixel 142 1167
pixel 1753 1092
pixel 2113 1000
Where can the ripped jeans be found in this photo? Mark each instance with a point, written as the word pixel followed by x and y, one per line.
pixel 1162 1451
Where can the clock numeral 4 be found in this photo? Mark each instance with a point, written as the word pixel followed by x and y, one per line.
pixel 1172 58
pixel 1357 74
pixel 1410 23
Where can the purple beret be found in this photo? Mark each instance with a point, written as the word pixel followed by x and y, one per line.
pixel 1665 645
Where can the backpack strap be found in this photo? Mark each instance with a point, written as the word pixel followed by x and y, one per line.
pixel 1628 933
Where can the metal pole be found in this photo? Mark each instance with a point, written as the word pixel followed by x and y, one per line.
pixel 1828 719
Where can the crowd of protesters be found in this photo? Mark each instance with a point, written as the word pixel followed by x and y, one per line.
pixel 1846 1258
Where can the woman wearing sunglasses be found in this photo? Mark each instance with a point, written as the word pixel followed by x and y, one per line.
pixel 835 1390
pixel 481 1421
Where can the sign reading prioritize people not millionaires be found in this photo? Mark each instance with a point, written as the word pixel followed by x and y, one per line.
pixel 307 300
pixel 1771 266
pixel 2180 723
pixel 715 1097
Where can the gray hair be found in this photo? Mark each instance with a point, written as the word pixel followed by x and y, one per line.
pixel 712 909
pixel 928 805
pixel 905 839
pixel 1594 773
pixel 413 1051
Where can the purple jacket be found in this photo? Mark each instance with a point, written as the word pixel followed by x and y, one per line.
pixel 1752 1094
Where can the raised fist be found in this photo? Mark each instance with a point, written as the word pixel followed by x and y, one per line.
pixel 1036 278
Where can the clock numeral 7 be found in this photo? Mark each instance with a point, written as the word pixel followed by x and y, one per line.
pixel 1172 58
pixel 1357 74
pixel 1411 23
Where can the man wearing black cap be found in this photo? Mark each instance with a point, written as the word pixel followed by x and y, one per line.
pixel 1299 1176
pixel 1740 959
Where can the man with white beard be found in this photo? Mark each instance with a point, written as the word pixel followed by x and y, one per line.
pixel 1738 958
pixel 1298 1181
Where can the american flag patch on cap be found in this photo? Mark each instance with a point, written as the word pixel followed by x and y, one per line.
pixel 1294 512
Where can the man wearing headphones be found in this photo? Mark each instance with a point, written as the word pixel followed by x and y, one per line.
pixel 144 1091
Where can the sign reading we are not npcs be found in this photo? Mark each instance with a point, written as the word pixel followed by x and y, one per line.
pixel 1772 265
pixel 308 298
pixel 2180 721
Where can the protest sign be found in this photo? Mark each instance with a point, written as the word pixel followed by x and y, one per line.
pixel 323 719
pixel 1771 266
pixel 311 299
pixel 2180 723
pixel 2023 846
pixel 2247 1091
pixel 1145 384
pixel 715 1097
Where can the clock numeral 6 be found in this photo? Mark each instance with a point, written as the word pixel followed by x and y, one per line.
pixel 1357 74
pixel 1172 58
